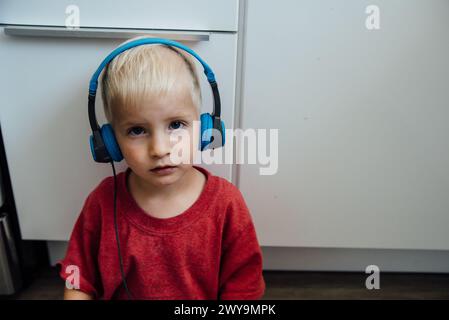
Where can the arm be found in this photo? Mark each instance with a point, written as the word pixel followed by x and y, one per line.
pixel 70 294
pixel 241 269
pixel 241 275
pixel 79 265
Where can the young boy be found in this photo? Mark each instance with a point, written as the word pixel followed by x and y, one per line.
pixel 184 233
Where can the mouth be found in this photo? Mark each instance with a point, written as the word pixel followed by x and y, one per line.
pixel 163 169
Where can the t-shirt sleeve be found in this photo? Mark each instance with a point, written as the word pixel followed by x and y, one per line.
pixel 241 260
pixel 79 267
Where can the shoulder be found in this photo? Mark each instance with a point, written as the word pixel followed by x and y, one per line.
pixel 230 193
pixel 231 208
pixel 98 200
pixel 222 189
pixel 105 188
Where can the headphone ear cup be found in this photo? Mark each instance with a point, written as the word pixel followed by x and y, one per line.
pixel 223 130
pixel 110 142
pixel 206 132
pixel 92 148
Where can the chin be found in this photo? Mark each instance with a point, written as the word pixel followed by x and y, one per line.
pixel 166 179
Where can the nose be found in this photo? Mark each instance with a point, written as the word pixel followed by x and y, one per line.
pixel 160 145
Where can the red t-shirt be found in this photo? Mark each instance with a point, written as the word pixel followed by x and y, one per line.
pixel 210 251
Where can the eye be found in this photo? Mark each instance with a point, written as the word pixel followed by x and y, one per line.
pixel 136 131
pixel 176 125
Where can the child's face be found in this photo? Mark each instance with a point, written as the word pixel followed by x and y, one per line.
pixel 143 134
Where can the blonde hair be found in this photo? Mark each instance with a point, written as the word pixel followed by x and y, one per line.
pixel 145 71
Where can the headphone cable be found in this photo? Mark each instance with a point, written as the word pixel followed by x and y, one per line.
pixel 128 293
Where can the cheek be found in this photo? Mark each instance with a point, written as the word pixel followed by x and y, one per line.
pixel 183 146
pixel 132 152
pixel 188 140
pixel 181 138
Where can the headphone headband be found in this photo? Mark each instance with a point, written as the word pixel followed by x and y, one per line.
pixel 93 84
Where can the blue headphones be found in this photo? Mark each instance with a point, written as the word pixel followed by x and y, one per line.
pixel 103 144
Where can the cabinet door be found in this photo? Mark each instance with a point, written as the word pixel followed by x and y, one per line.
pixel 43 114
pixel 362 118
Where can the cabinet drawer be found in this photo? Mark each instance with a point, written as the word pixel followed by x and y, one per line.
pixel 197 15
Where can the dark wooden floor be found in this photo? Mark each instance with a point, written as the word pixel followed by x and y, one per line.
pixel 299 285
pixel 338 285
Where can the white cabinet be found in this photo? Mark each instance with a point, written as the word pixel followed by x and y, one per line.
pixel 43 92
pixel 362 118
